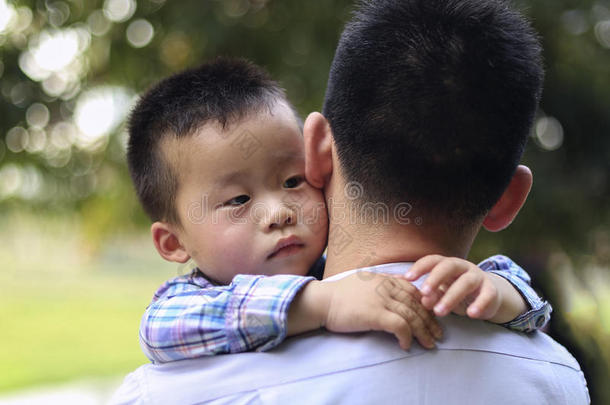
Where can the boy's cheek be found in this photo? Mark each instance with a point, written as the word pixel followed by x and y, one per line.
pixel 218 219
pixel 316 218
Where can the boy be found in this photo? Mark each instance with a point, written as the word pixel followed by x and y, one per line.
pixel 216 155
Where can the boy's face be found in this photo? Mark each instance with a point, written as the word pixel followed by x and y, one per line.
pixel 243 202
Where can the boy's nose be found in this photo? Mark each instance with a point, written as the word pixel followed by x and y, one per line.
pixel 280 216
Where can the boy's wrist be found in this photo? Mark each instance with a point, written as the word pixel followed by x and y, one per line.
pixel 309 309
pixel 512 303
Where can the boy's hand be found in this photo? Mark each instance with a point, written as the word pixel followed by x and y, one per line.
pixel 457 285
pixel 367 301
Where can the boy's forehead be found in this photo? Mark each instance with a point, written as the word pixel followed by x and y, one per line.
pixel 266 140
pixel 269 164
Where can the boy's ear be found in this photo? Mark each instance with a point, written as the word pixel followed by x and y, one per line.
pixel 506 209
pixel 167 243
pixel 318 149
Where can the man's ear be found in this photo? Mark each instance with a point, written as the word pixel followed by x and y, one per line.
pixel 318 149
pixel 506 209
pixel 167 243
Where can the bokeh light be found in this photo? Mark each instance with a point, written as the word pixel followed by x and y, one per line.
pixel 24 19
pixel 55 58
pixel 602 33
pixel 548 133
pixel 17 139
pixel 37 140
pixel 31 183
pixel 58 13
pixel 55 50
pixel 140 33
pixel 63 135
pixel 119 10
pixel 52 51
pixel 98 23
pixel 37 115
pixel 10 180
pixel 20 93
pixel 57 83
pixel 7 13
pixel 24 182
pixel 98 112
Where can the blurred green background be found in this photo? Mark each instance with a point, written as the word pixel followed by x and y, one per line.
pixel 78 267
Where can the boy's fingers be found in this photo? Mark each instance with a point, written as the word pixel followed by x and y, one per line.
pixel 404 290
pixel 459 290
pixel 429 320
pixel 430 300
pixel 431 323
pixel 396 325
pixel 418 327
pixel 482 307
pixel 423 326
pixel 423 266
pixel 407 303
pixel 443 273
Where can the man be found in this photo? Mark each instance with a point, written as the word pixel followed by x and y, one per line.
pixel 428 107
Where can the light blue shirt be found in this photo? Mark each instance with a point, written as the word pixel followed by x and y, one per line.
pixel 476 363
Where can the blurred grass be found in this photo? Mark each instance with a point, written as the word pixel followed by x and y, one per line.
pixel 66 315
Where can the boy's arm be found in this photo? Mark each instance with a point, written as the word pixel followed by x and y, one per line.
pixel 538 311
pixel 497 291
pixel 190 317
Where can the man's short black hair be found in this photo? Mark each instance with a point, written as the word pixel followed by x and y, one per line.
pixel 431 102
pixel 225 90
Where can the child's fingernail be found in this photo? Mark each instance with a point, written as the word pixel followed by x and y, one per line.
pixel 440 309
pixel 474 311
pixel 409 274
pixel 426 289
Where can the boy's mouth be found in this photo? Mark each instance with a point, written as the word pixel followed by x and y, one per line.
pixel 286 247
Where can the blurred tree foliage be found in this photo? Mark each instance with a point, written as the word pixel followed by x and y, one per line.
pixel 69 71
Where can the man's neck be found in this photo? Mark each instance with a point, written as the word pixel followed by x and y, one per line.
pixel 356 245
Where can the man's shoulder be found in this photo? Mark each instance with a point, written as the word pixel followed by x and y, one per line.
pixel 331 363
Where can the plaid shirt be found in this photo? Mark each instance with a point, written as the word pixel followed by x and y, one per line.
pixel 540 311
pixel 191 317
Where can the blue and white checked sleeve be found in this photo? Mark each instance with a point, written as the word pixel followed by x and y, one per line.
pixel 190 317
pixel 539 311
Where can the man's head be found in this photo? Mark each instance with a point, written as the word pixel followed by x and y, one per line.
pixel 430 102
pixel 216 156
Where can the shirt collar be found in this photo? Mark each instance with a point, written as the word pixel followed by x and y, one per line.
pixel 387 268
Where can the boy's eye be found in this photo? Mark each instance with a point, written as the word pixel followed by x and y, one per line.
pixel 293 182
pixel 239 200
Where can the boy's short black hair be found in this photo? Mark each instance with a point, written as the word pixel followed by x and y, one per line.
pixel 225 90
pixel 431 102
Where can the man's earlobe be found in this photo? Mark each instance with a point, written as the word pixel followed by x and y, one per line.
pixel 167 243
pixel 318 149
pixel 506 209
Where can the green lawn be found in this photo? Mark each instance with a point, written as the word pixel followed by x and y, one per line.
pixel 56 334
pixel 58 331
pixel 67 316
